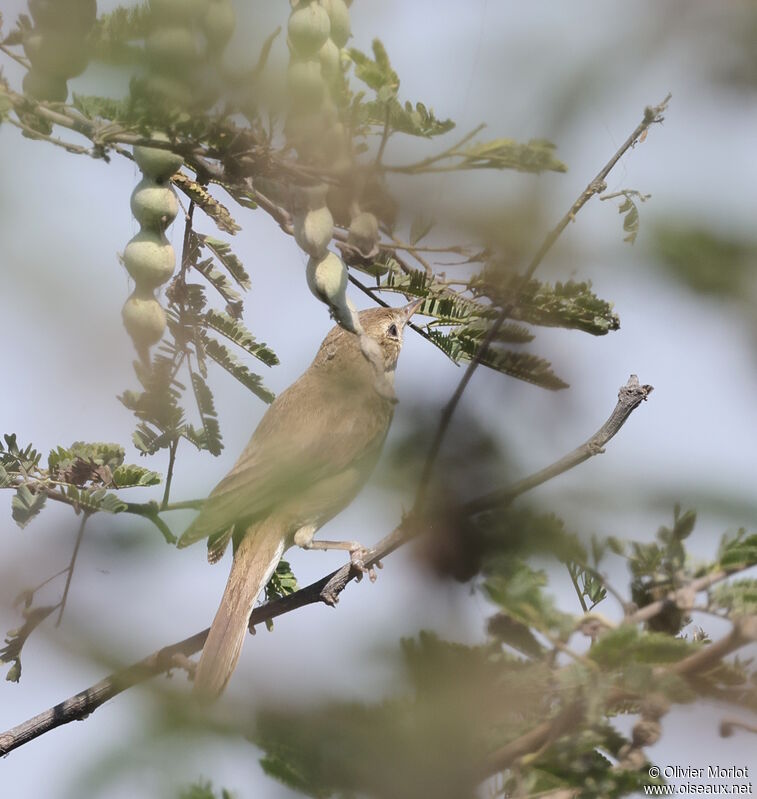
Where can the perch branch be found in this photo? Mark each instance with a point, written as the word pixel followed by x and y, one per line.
pixel 630 396
pixel 325 590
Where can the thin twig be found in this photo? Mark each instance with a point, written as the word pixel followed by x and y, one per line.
pixel 384 137
pixel 75 149
pixel 597 185
pixel 17 58
pixel 630 396
pixel 421 166
pixel 71 565
pixel 173 446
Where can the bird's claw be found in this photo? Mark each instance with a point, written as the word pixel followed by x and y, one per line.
pixel 358 556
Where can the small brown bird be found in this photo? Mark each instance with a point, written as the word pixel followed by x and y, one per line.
pixel 308 458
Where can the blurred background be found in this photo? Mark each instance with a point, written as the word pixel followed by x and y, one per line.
pixel 579 74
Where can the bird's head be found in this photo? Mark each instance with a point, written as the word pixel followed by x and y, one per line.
pixel 386 326
pixel 341 349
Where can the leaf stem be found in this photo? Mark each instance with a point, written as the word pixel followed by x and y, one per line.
pixel 579 593
pixel 70 568
pixel 169 474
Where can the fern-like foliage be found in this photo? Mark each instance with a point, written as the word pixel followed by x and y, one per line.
pixel 221 355
pixel 236 332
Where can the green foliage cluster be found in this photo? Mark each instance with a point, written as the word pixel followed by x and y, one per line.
pixel 462 708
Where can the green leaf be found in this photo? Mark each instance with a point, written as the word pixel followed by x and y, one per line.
pixel 98 453
pixel 129 475
pixel 211 438
pixel 203 199
pixel 234 367
pixel 376 73
pixel 738 597
pixel 509 332
pixel 515 634
pixel 627 644
pixel 94 500
pixel 570 305
pixel 15 639
pixel 5 479
pixel 234 330
pixel 521 365
pixel 683 523
pixel 17 459
pixel 26 505
pixel 738 551
pixel 219 281
pixel 223 253
pixel 536 155
pixel 519 591
pixel 413 121
pixel 282 583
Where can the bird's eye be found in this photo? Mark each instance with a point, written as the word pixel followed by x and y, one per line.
pixel 393 331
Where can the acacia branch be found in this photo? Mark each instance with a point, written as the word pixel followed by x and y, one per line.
pixel 325 590
pixel 652 115
pixel 743 632
pixel 630 396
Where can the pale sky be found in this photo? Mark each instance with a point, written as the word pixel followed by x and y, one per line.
pixel 66 356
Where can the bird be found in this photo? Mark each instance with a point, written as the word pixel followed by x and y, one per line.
pixel 308 458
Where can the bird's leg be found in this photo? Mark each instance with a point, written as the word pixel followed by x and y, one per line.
pixel 358 553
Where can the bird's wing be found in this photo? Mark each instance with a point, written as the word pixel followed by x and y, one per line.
pixel 308 434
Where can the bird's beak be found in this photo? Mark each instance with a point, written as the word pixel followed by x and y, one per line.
pixel 408 310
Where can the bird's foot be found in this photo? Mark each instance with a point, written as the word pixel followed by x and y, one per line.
pixel 358 556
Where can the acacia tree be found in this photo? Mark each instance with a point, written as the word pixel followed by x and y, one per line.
pixel 532 706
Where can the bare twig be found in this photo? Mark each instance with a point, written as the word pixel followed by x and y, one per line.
pixel 630 396
pixel 728 725
pixel 652 115
pixel 71 565
pixel 426 163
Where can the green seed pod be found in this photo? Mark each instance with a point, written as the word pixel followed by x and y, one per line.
pixel 149 259
pixel 363 234
pixel 56 53
pixel 156 163
pixel 218 23
pixel 327 278
pixel 308 28
pixel 70 15
pixel 172 49
pixel 306 84
pixel 40 86
pixel 339 20
pixel 154 205
pixel 314 230
pixel 144 320
pixel 330 59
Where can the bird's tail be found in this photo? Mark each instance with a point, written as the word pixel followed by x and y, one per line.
pixel 254 562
